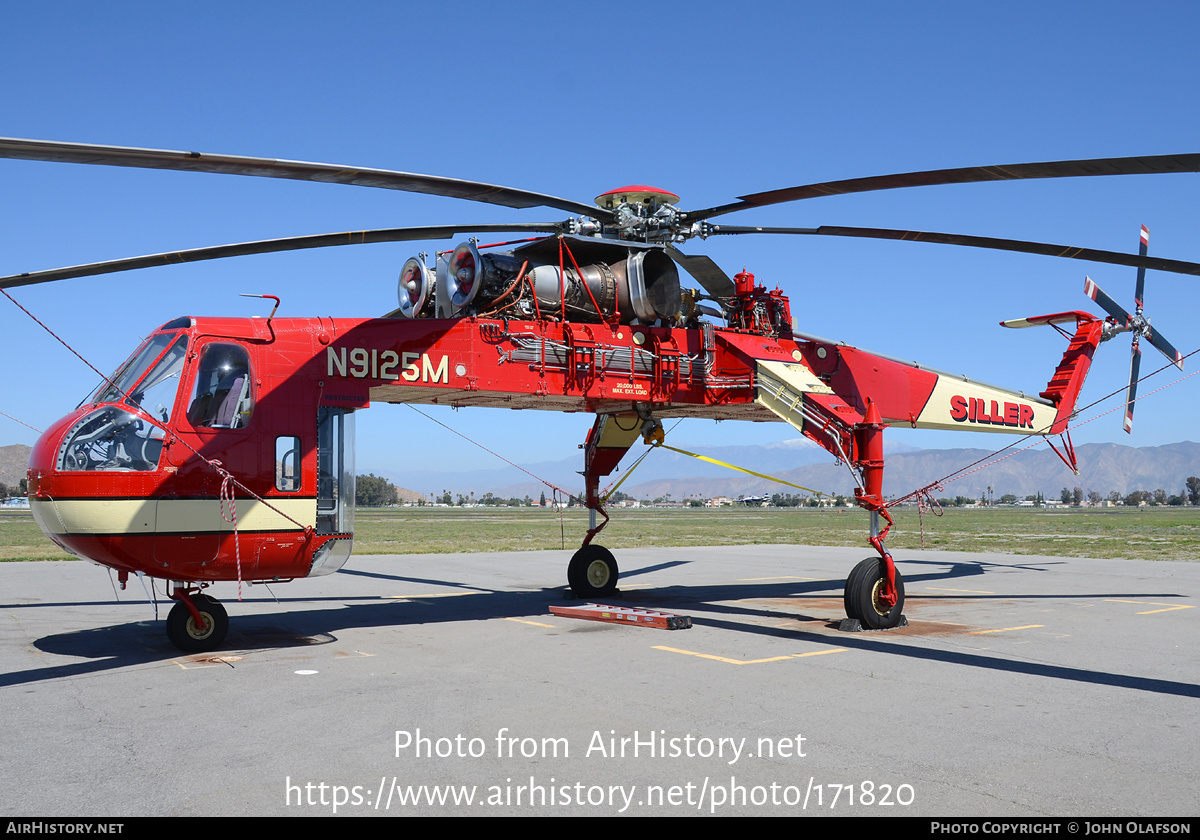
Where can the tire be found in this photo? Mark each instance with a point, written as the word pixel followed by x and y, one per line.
pixel 862 596
pixel 593 572
pixel 182 630
pixel 849 598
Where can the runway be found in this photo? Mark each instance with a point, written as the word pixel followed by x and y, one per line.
pixel 441 685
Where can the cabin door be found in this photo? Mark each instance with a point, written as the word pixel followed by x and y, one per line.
pixel 335 470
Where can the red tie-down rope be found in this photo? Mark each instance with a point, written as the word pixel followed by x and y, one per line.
pixel 229 514
pixel 22 422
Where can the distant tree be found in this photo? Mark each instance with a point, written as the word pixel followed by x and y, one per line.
pixel 372 491
pixel 1077 496
pixel 1160 496
pixel 542 500
pixel 3 490
pixel 1065 496
pixel 1193 490
pixel 1008 499
pixel 1094 497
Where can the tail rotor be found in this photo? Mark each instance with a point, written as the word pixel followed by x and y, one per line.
pixel 1120 321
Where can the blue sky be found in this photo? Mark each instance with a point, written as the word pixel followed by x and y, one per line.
pixel 708 100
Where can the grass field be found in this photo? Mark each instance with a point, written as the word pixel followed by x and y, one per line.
pixel 1158 533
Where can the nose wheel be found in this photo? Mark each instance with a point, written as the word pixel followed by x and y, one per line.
pixel 593 572
pixel 866 595
pixel 193 636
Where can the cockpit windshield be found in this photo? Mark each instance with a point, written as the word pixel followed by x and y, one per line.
pixel 118 438
pixel 155 393
pixel 127 375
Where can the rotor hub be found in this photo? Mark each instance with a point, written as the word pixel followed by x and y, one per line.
pixel 641 212
pixel 650 198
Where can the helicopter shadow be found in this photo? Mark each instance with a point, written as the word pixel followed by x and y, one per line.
pixel 725 606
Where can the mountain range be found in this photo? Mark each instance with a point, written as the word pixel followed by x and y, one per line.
pixel 1103 467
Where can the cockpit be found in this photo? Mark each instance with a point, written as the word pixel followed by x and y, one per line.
pixel 133 407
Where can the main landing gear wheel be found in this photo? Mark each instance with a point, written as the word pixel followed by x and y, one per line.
pixel 863 588
pixel 187 636
pixel 593 572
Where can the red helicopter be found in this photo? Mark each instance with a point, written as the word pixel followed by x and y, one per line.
pixel 223 449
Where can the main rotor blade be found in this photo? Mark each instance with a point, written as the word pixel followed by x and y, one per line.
pixel 296 170
pixel 1152 165
pixel 267 246
pixel 1021 246
pixel 706 272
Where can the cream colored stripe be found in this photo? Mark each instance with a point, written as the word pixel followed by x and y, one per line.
pixel 147 516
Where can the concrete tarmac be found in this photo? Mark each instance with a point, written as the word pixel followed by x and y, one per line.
pixel 441 685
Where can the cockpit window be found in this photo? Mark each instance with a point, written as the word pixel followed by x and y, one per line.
pixel 127 375
pixel 222 396
pixel 110 439
pixel 156 392
pixel 119 438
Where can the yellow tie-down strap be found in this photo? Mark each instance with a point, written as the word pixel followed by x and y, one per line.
pixel 742 470
pixel 654 446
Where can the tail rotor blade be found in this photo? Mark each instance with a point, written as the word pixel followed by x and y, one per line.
pixel 1106 303
pixel 1143 249
pixel 1165 347
pixel 1135 363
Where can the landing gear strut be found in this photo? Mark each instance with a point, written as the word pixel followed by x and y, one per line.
pixel 593 571
pixel 874 592
pixel 196 623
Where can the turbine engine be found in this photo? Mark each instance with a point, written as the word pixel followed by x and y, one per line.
pixel 602 281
